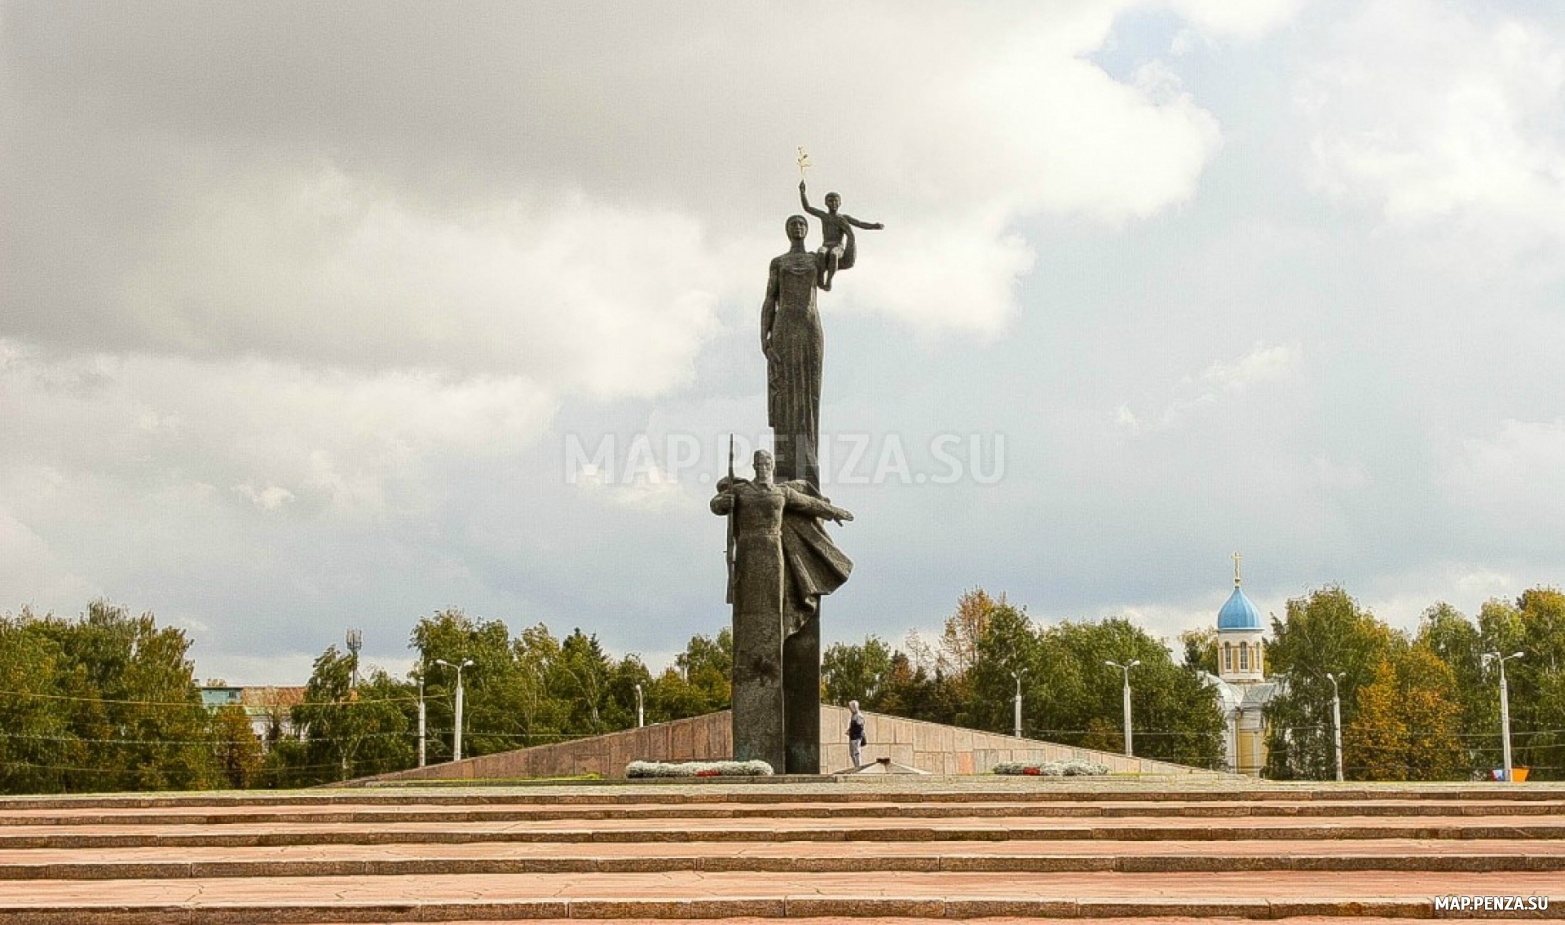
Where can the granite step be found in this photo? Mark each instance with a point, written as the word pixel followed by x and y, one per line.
pixel 382 814
pixel 951 829
pixel 1001 920
pixel 982 789
pixel 763 895
pixel 942 851
pixel 1014 856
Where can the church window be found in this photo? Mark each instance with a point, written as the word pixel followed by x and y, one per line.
pixel 1228 656
pixel 1244 657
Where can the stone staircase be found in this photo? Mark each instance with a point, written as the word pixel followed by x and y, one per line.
pixel 881 849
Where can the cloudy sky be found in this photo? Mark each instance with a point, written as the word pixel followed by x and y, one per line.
pixel 327 315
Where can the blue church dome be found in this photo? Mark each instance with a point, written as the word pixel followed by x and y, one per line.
pixel 1238 613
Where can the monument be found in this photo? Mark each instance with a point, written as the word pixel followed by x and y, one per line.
pixel 781 560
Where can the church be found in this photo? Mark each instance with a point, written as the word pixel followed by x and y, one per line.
pixel 1240 683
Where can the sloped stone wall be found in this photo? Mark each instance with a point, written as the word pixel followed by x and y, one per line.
pixel 926 746
pixel 951 750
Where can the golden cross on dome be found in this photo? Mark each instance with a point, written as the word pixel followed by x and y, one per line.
pixel 1237 557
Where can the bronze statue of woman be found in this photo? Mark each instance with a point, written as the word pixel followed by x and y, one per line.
pixel 795 346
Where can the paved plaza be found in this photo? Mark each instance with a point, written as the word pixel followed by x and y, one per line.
pixel 917 849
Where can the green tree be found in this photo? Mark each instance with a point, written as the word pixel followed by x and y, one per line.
pixel 856 672
pixel 1104 736
pixel 580 674
pixel 1174 713
pixel 1432 712
pixel 36 746
pixel 1008 645
pixel 914 691
pixel 1375 744
pixel 1071 695
pixel 106 701
pixel 238 751
pixel 965 628
pixel 1326 632
pixel 1535 626
pixel 504 704
pixel 708 664
pixel 620 691
pixel 349 732
pixel 699 682
pixel 1458 643
pixel 1200 649
pixel 542 715
pixel 135 709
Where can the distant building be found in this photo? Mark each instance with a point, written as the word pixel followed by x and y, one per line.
pixel 269 709
pixel 1240 684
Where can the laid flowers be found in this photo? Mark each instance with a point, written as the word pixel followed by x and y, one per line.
pixel 698 769
pixel 1072 768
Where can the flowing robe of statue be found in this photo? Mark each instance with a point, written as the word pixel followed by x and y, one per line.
pixel 815 566
pixel 795 351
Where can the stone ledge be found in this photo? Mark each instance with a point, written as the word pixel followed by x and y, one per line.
pixel 1410 861
pixel 959 788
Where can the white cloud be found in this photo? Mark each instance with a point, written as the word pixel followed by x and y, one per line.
pixel 281 435
pixel 1513 479
pixel 1433 110
pixel 1167 621
pixel 938 278
pixel 581 229
pixel 1245 19
pixel 323 266
pixel 1263 364
pixel 1401 598
pixel 642 485
pixel 1338 476
pixel 269 498
pixel 27 561
pixel 283 306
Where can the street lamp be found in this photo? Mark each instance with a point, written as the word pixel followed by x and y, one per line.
pixel 1505 705
pixel 641 713
pixel 422 725
pixel 456 740
pixel 1017 674
pixel 1336 722
pixel 1129 753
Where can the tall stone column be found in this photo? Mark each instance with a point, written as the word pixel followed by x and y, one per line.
pixel 802 696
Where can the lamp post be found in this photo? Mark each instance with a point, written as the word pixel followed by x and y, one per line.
pixel 641 713
pixel 1017 674
pixel 1129 752
pixel 1505 706
pixel 456 739
pixel 422 722
pixel 1336 722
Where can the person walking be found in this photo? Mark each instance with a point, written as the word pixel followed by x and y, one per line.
pixel 856 737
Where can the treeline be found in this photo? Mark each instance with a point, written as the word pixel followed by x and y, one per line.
pixel 530 689
pixel 969 677
pixel 109 701
pixel 104 702
pixel 1420 705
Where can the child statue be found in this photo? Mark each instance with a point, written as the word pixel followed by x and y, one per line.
pixel 837 248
